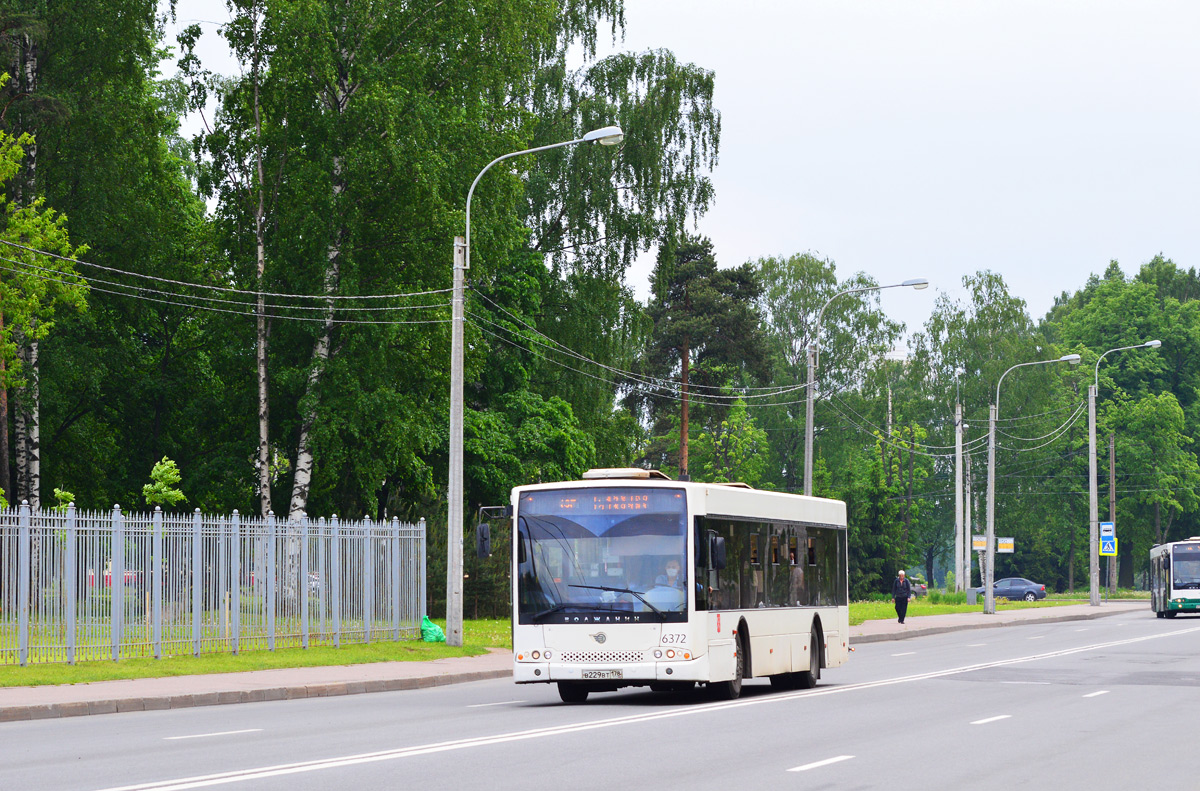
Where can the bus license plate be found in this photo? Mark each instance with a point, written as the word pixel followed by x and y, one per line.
pixel 601 674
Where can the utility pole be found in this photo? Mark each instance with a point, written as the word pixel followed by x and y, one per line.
pixel 454 527
pixel 1112 507
pixel 968 521
pixel 989 570
pixel 958 497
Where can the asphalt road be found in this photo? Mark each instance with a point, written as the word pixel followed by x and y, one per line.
pixel 1097 704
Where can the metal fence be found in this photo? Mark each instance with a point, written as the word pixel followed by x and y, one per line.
pixel 82 586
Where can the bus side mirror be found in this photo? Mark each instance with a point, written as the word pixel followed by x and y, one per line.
pixel 716 552
pixel 1166 562
pixel 483 540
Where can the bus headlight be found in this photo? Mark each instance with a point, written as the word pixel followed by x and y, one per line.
pixel 547 655
pixel 657 654
pixel 670 653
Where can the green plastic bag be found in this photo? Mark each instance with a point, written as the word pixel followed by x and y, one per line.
pixel 431 632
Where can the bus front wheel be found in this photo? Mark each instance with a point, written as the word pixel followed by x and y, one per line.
pixel 572 693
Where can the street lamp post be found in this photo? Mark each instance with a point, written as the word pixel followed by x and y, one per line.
pixel 960 548
pixel 1093 505
pixel 918 284
pixel 607 136
pixel 989 598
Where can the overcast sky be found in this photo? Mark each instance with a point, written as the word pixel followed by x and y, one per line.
pixel 1038 139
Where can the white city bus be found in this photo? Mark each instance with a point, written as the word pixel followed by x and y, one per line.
pixel 1175 578
pixel 760 587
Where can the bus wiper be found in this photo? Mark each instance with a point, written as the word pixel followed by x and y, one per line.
pixel 554 609
pixel 631 592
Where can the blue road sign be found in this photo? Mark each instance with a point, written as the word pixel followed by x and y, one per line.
pixel 1108 545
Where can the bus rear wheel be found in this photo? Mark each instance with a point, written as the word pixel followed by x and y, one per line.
pixel 808 678
pixel 570 692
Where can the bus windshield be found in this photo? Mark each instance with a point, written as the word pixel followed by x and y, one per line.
pixel 1185 567
pixel 612 554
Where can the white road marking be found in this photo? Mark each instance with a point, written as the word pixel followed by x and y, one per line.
pixel 975 645
pixel 906 653
pixel 816 764
pixel 279 770
pixel 1025 682
pixel 501 703
pixel 991 719
pixel 205 735
pixel 1084 629
pixel 1096 694
pixel 1039 637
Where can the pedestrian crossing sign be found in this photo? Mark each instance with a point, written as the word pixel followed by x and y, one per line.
pixel 1108 545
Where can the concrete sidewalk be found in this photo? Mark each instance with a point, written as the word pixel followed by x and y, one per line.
pixel 877 631
pixel 148 694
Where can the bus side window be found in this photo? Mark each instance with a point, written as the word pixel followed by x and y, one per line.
pixel 792 551
pixel 812 552
pixel 754 549
pixel 774 550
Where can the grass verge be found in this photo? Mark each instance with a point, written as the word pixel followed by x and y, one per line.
pixel 478 635
pixel 885 610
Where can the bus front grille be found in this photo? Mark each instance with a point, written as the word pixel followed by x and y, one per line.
pixel 603 656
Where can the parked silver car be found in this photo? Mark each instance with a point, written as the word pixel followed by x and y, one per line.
pixel 1014 588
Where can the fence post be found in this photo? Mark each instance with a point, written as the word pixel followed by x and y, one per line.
pixel 72 583
pixel 270 594
pixel 303 590
pixel 23 561
pixel 197 583
pixel 156 579
pixel 335 564
pixel 117 581
pixel 322 577
pixel 222 581
pixel 235 574
pixel 395 575
pixel 421 555
pixel 368 579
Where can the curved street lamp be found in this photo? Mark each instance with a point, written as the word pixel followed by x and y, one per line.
pixel 916 284
pixel 605 136
pixel 989 598
pixel 1093 495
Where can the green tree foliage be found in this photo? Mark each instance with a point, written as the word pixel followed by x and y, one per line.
pixel 854 333
pixel 735 450
pixel 164 477
pixel 706 333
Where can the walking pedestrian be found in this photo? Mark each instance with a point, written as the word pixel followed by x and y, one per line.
pixel 901 590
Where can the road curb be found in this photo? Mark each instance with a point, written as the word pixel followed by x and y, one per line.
pixel 157 703
pixel 931 630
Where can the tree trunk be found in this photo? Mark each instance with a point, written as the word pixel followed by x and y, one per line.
pixel 5 471
pixel 20 425
pixel 683 417
pixel 264 423
pixel 34 427
pixel 302 481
